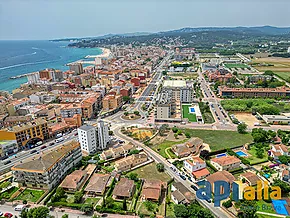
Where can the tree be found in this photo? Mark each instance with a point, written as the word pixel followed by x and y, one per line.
pixel 285 188
pixel 284 159
pixel 126 113
pixel 87 208
pixel 65 216
pixel 227 203
pixel 109 202
pixel 133 176
pixel 179 132
pixel 149 206
pixel 260 153
pixel 78 197
pixel 204 154
pixel 38 212
pixel 124 204
pixel 187 134
pixel 180 211
pixel 174 129
pixel 248 209
pixel 126 98
pixel 242 128
pixel 136 113
pixel 160 167
pixel 24 202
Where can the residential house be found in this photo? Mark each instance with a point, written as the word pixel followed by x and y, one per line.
pixel 251 178
pixel 197 167
pixel 125 188
pixel 226 163
pixel 131 161
pixel 192 146
pixel 74 181
pixel 113 153
pixel 220 176
pixel 278 150
pixel 151 190
pixel 97 184
pixel 180 194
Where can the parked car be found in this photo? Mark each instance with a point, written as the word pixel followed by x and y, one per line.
pixel 51 144
pixel 33 151
pixel 194 187
pixel 1 213
pixel 43 147
pixel 8 215
pixel 7 162
pixel 182 177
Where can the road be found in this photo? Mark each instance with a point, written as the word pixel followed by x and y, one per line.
pixel 218 112
pixel 22 155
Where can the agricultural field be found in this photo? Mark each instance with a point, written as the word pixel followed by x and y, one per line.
pixel 274 64
pixel 284 75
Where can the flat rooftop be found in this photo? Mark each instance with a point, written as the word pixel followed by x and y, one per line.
pixel 174 83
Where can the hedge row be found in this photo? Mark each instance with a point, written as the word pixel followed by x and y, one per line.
pixel 65 204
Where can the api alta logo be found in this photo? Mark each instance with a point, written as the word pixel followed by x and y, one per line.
pixel 222 189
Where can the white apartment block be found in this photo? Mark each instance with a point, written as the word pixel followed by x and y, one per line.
pixel 93 138
pixel 194 164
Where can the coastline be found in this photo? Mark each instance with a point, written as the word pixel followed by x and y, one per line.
pixel 106 53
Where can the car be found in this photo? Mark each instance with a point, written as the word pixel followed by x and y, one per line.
pixel 182 177
pixel 75 134
pixel 51 144
pixel 43 147
pixel 194 187
pixel 8 215
pixel 33 151
pixel 7 162
pixel 1 213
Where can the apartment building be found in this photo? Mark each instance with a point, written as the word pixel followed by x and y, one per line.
pixel 226 163
pixel 46 170
pixel 111 102
pixel 69 110
pixel 26 133
pixel 179 90
pixel 254 92
pixel 15 105
pixel 77 68
pixel 93 138
pixel 7 147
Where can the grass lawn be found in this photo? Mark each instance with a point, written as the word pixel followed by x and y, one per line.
pixel 220 139
pixel 160 148
pixel 70 199
pixel 170 210
pixel 283 75
pixel 253 159
pixel 185 113
pixel 265 207
pixel 236 65
pixel 149 171
pixel 30 195
pixel 92 201
pixel 7 194
pixel 143 210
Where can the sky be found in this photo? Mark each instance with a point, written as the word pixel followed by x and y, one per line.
pixel 51 19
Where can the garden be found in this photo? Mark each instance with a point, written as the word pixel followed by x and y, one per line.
pixel 258 153
pixel 242 66
pixel 186 114
pixel 30 195
pixel 131 116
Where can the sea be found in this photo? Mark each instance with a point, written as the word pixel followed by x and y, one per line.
pixel 21 57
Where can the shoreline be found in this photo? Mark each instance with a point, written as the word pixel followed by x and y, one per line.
pixel 106 53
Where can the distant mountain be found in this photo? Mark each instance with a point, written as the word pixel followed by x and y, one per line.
pixel 269 30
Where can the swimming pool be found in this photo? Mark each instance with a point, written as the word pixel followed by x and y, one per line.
pixel 241 153
pixel 221 155
pixel 191 110
pixel 279 207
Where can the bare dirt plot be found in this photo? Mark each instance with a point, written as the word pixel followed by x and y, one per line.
pixel 248 118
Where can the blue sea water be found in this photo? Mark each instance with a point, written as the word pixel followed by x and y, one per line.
pixel 20 57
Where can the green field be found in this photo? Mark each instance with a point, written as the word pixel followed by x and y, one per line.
pixel 283 75
pixel 160 148
pixel 236 65
pixel 220 139
pixel 253 159
pixel 185 113
pixel 30 195
pixel 149 171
